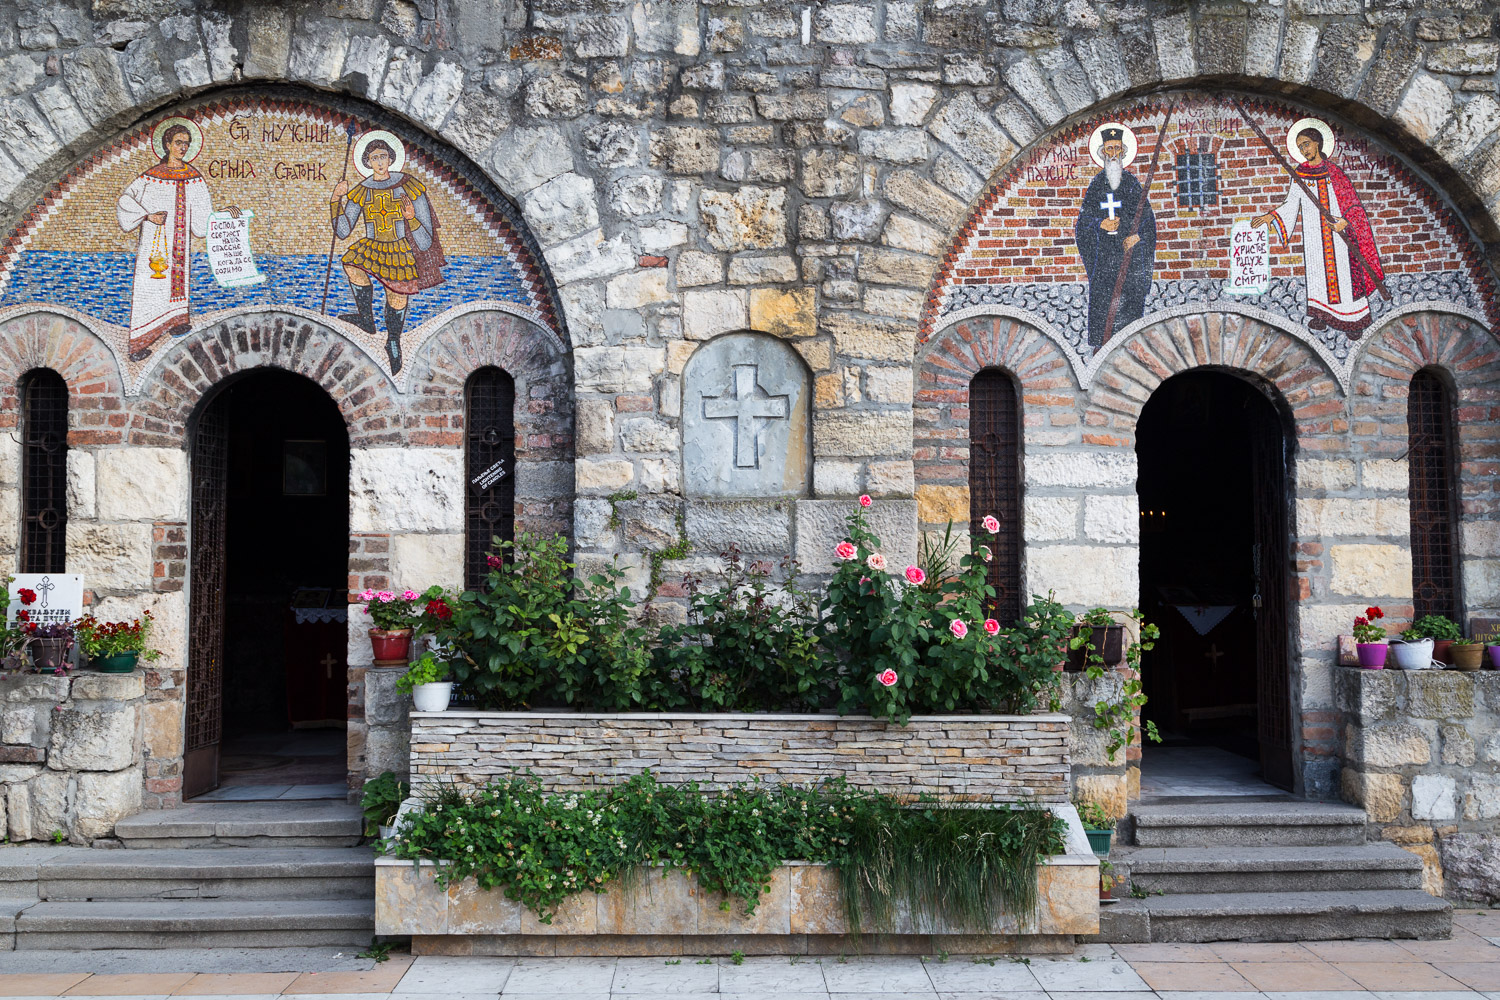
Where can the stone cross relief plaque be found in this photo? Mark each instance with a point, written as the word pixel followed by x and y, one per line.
pixel 745 425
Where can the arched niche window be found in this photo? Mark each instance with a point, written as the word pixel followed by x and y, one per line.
pixel 995 483
pixel 490 460
pixel 44 471
pixel 1433 490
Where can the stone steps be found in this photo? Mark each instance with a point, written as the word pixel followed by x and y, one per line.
pixel 1175 870
pixel 1273 869
pixel 194 873
pixel 221 923
pixel 1232 823
pixel 294 823
pixel 1278 916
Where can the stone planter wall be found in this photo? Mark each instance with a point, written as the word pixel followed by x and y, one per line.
pixel 71 753
pixel 801 914
pixel 1421 754
pixel 981 758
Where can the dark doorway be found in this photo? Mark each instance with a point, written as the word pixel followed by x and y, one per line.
pixel 267 679
pixel 1213 495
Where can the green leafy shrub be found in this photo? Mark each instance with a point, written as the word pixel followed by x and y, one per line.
pixel 382 800
pixel 1433 627
pixel 954 863
pixel 427 670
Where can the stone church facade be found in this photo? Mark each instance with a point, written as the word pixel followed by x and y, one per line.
pixel 742 263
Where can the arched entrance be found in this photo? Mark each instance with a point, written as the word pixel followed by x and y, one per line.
pixel 1214 539
pixel 266 687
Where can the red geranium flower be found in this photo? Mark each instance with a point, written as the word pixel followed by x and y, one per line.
pixel 28 596
pixel 439 609
pixel 1374 613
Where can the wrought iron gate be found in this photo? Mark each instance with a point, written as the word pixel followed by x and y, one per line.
pixel 995 484
pixel 44 473
pixel 1272 583
pixel 490 457
pixel 1431 487
pixel 205 675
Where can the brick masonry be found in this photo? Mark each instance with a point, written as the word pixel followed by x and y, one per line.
pixel 977 758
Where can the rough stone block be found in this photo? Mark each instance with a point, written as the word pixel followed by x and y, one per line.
pixel 756 526
pixel 1382 796
pixel 1439 694
pixel 420 561
pixel 110 556
pixel 821 526
pixel 1373 572
pixel 1083 470
pixel 941 504
pixel 1050 519
pixel 406 489
pixel 791 313
pixel 108 687
pixel 92 740
pixel 105 799
pixel 750 218
pixel 1105 790
pixel 707 314
pixel 162 728
pixel 1387 746
pixel 862 433
pixel 1112 519
pixel 1433 796
pixel 1085 575
pixel 81 488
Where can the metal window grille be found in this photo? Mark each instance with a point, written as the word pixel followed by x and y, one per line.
pixel 1197 180
pixel 1434 497
pixel 490 458
pixel 44 472
pixel 995 484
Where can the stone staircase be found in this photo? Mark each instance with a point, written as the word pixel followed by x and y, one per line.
pixel 246 875
pixel 1233 869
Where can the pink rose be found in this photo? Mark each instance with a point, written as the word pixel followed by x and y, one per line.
pixel 844 550
pixel 864 579
pixel 865 500
pixel 493 561
pixel 958 628
pixel 991 524
pixel 887 677
pixel 985 553
pixel 915 575
pixel 991 626
pixel 876 562
pixel 408 595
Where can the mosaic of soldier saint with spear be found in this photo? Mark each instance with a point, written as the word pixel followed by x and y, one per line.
pixel 1340 260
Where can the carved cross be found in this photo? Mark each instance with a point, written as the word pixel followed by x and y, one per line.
pixel 328 663
pixel 745 404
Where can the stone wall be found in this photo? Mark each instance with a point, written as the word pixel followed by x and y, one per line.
pixel 72 753
pixel 982 758
pixel 1421 754
pixel 690 170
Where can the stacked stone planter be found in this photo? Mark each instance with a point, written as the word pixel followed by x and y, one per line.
pixel 987 759
pixel 71 751
pixel 1422 756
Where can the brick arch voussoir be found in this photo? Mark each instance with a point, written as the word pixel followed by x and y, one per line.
pixel 192 368
pixel 46 339
pixel 1222 341
pixel 953 357
pixel 1397 350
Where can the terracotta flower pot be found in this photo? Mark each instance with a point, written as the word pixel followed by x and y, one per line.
pixel 1440 651
pixel 1467 655
pixel 1372 654
pixel 393 646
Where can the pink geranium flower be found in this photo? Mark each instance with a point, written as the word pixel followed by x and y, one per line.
pixel 844 550
pixel 408 595
pixel 991 626
pixel 915 575
pixel 887 677
pixel 385 596
pixel 876 561
pixel 865 500
pixel 368 595
pixel 958 628
pixel 991 524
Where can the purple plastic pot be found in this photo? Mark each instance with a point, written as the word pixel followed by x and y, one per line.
pixel 1372 654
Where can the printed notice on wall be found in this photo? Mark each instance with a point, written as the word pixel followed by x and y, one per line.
pixel 1249 259
pixel 229 254
pixel 47 598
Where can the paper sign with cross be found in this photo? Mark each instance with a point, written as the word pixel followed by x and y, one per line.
pixel 745 403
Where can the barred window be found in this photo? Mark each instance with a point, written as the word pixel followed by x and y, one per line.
pixel 1197 180
pixel 490 458
pixel 44 471
pixel 1433 490
pixel 995 484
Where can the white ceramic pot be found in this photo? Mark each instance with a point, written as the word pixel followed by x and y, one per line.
pixel 432 697
pixel 1414 654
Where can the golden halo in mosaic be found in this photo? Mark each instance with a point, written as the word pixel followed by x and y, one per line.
pixel 1097 139
pixel 195 137
pixel 1301 125
pixel 389 138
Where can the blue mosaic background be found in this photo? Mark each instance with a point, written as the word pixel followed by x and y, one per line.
pixel 99 284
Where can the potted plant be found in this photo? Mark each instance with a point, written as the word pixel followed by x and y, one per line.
pixel 1494 654
pixel 48 645
pixel 391 618
pixel 1097 826
pixel 1097 634
pixel 1442 631
pixel 1107 882
pixel 115 647
pixel 1370 640
pixel 1467 655
pixel 427 682
pixel 382 800
pixel 1412 651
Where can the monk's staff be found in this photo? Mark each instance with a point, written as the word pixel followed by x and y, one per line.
pixel 334 241
pixel 1349 244
pixel 1114 300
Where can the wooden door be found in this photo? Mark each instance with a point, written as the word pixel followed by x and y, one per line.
pixel 205 674
pixel 1269 564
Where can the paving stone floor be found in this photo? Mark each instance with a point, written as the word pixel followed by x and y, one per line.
pixel 1468 966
